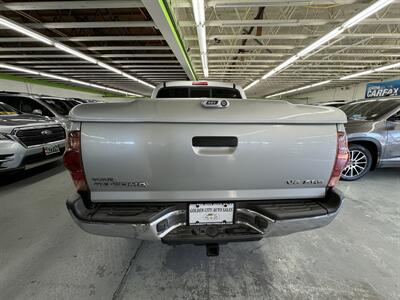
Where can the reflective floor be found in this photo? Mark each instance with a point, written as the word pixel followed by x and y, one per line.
pixel 44 255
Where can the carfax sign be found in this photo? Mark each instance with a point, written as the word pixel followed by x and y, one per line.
pixel 383 89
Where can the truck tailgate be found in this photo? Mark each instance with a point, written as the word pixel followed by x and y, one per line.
pixel 139 162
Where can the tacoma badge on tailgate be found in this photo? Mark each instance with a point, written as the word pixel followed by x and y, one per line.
pixel 108 182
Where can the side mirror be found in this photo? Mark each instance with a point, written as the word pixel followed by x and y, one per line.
pixel 37 112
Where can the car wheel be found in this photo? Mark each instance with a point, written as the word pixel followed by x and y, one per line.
pixel 360 162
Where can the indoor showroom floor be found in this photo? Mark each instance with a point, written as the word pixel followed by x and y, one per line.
pixel 44 255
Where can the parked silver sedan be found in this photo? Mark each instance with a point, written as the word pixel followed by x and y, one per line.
pixel 27 141
pixel 373 131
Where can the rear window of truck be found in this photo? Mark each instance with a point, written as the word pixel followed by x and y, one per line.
pixel 198 92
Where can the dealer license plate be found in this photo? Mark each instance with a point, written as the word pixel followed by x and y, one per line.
pixel 211 213
pixel 48 150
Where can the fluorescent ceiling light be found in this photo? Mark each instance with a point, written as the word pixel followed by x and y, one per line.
pixel 54 76
pixel 14 26
pixel 205 71
pixel 201 34
pixel 321 83
pixel 19 69
pixel 281 66
pixel 375 7
pixel 24 70
pixel 380 69
pixel 244 23
pixel 269 74
pixel 357 74
pixel 204 63
pixel 37 36
pixel 247 3
pixel 299 89
pixel 286 63
pixel 327 37
pixel 384 68
pixel 198 12
pixel 129 76
pixel 251 84
pixel 108 67
pixel 80 82
pixel 75 52
pixel 199 18
pixel 138 80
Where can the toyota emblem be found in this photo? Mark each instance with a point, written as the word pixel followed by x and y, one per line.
pixel 46 132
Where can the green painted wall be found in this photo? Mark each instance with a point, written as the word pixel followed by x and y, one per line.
pixel 57 85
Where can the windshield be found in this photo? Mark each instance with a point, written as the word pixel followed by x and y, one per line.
pixel 198 92
pixel 60 106
pixel 368 110
pixel 7 110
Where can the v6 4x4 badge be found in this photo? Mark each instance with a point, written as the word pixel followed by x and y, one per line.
pixel 307 181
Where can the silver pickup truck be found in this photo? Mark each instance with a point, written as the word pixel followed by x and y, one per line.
pixel 200 164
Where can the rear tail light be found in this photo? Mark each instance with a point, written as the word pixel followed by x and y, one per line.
pixel 73 161
pixel 199 83
pixel 342 157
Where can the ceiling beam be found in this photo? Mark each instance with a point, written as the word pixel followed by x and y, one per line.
pixel 251 37
pixel 137 55
pixel 165 22
pixel 291 36
pixel 262 67
pixel 258 62
pixel 288 23
pixel 69 56
pixel 99 24
pixel 258 3
pixel 214 47
pixel 248 47
pixel 102 73
pixel 287 54
pixel 57 5
pixel 212 23
pixel 132 67
pixel 87 38
pixel 289 47
pixel 66 62
pixel 94 48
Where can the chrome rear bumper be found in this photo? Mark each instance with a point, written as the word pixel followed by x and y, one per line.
pixel 168 222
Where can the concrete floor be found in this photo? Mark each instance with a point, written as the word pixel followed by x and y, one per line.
pixel 44 255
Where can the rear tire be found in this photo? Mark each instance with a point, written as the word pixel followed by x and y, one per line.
pixel 359 164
